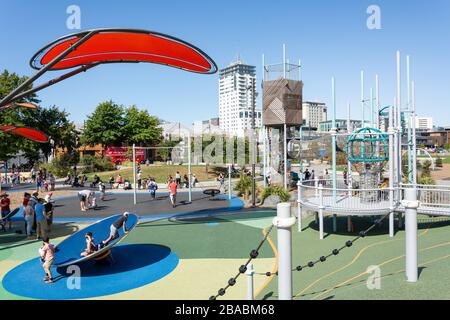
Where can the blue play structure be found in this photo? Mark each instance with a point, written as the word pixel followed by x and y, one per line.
pixel 135 265
pixel 68 251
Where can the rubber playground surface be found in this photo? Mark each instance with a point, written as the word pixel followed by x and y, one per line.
pixel 186 256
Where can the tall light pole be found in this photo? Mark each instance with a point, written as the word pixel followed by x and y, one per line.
pixel 253 144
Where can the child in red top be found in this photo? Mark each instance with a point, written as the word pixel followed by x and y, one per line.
pixel 173 192
pixel 5 206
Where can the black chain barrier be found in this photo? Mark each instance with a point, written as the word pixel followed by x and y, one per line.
pixel 254 254
pixel 243 268
pixel 334 252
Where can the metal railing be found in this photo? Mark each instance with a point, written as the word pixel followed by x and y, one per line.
pixel 346 199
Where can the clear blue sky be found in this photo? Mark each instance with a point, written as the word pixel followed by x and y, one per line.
pixel 329 36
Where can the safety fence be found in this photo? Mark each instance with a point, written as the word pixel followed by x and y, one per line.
pixel 348 200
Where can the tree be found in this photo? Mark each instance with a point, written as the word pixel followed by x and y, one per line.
pixel 166 151
pixel 104 125
pixel 56 124
pixel 10 145
pixel 141 128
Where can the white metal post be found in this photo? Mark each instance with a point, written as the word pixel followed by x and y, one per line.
pixel 414 155
pixel 391 132
pixel 250 287
pixel 362 99
pixel 411 204
pixel 399 118
pixel 377 105
pixel 285 156
pixel 408 119
pixel 284 222
pixel 189 167
pixel 349 164
pixel 299 207
pixel 371 108
pixel 321 207
pixel 229 182
pixel 333 142
pixel 134 174
pixel 264 157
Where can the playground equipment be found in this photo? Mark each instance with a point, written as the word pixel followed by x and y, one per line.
pixel 69 250
pixel 369 149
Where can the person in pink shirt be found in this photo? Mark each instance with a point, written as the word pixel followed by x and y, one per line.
pixel 173 192
pixel 47 253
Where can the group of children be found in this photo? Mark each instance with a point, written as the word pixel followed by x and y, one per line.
pixel 47 251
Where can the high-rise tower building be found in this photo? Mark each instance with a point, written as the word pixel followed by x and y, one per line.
pixel 237 93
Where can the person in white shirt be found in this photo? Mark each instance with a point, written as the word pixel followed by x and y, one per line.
pixel 84 196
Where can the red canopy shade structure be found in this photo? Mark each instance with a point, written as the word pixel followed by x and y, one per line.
pixel 85 50
pixel 26 132
pixel 124 45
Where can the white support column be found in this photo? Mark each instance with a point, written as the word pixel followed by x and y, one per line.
pixel 189 167
pixel 250 287
pixel 229 182
pixel 399 118
pixel 283 221
pixel 377 105
pixel 299 207
pixel 413 102
pixel 362 100
pixel 349 164
pixel 285 156
pixel 264 157
pixel 411 204
pixel 134 174
pixel 321 207
pixel 391 132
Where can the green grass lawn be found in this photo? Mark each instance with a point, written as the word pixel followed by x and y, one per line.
pixel 159 172
pixel 445 159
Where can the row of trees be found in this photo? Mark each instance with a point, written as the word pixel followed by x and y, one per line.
pixel 53 121
pixel 109 124
pixel 113 124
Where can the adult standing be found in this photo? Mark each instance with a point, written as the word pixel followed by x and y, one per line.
pixel 33 174
pixel 139 179
pixel 41 221
pixel 178 178
pixel 52 182
pixel 186 181
pixel 173 192
pixel 48 210
pixel 28 214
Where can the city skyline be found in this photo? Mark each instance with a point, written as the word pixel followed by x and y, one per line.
pixel 339 45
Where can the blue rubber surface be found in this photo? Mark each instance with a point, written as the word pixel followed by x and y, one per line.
pixel 135 265
pixel 69 250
